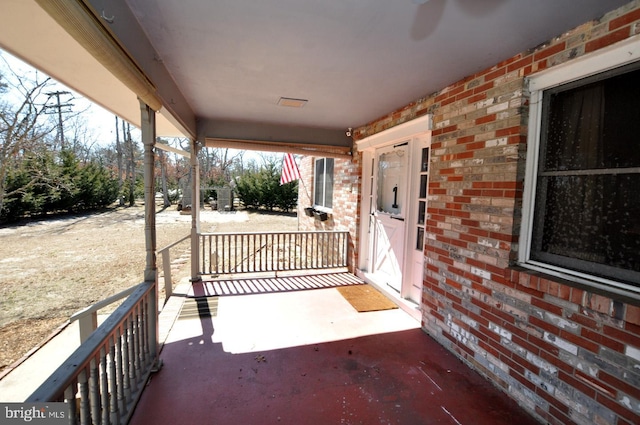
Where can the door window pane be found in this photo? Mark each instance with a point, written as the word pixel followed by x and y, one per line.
pixel 423 186
pixel 422 205
pixel 420 239
pixel 392 168
pixel 424 163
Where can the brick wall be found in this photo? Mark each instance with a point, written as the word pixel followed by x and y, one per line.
pixel 346 200
pixel 566 353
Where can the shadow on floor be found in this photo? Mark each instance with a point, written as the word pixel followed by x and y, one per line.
pixel 270 284
pixel 402 377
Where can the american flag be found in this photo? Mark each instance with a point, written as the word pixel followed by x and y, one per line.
pixel 290 170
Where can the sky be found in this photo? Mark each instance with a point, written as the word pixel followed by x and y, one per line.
pixel 99 120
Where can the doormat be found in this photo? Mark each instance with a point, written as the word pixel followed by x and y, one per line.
pixel 366 298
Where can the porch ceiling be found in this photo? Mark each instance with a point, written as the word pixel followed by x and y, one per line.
pixel 220 67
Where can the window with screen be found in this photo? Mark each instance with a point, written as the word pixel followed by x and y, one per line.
pixel 586 204
pixel 323 183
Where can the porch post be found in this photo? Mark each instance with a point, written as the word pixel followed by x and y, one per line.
pixel 148 130
pixel 195 210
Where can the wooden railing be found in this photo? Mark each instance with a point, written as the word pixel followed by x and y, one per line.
pixel 87 318
pixel 166 267
pixel 252 252
pixel 103 379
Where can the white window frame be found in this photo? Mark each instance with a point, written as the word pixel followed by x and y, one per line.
pixel 316 205
pixel 612 57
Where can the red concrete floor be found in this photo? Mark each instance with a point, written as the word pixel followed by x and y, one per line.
pixel 402 377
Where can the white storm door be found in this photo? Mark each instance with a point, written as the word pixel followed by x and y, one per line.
pixel 389 214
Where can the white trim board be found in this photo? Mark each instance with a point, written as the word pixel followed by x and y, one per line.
pixel 404 130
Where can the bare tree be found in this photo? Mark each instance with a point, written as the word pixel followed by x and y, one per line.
pixel 82 140
pixel 22 123
pixel 218 163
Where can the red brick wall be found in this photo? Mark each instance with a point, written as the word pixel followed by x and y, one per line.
pixel 564 352
pixel 346 200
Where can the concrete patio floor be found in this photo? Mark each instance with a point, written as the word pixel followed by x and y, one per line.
pixel 308 357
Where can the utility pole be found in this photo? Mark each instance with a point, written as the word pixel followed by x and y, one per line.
pixel 57 109
pixel 131 163
pixel 119 157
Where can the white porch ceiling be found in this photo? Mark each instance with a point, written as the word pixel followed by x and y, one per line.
pixel 221 66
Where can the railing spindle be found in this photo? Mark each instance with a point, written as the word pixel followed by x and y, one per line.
pixel 253 252
pixel 332 252
pixel 83 386
pixel 203 257
pixel 265 251
pixel 314 254
pixel 94 391
pixel 240 249
pixel 274 250
pixel 215 250
pixel 221 258
pixel 113 383
pixel 144 348
pixel 259 252
pixel 287 255
pixel 306 251
pixel 235 253
pixel 70 397
pixel 299 251
pixel 144 343
pixel 121 369
pixel 229 255
pixel 138 347
pixel 133 350
pixel 126 366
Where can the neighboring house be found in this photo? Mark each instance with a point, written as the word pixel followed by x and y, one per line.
pixel 505 210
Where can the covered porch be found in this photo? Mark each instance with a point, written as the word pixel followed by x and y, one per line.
pixel 305 356
pixel 309 357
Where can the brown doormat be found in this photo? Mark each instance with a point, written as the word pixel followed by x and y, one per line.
pixel 366 298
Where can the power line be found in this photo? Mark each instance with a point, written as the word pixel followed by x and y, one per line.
pixel 58 109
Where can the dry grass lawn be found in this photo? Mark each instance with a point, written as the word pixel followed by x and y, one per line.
pixel 49 269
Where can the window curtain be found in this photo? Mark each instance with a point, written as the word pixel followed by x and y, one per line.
pixel 572 223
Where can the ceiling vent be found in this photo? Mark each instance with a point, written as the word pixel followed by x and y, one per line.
pixel 292 103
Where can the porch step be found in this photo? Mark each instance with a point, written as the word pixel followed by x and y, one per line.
pixel 203 307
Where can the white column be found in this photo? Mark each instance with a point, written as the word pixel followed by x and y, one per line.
pixel 148 130
pixel 195 210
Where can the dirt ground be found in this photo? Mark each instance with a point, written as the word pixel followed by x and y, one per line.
pixel 50 269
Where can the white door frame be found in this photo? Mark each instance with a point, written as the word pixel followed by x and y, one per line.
pixel 389 222
pixel 414 257
pixel 418 128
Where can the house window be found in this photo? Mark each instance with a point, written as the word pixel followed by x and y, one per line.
pixel 584 185
pixel 323 183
